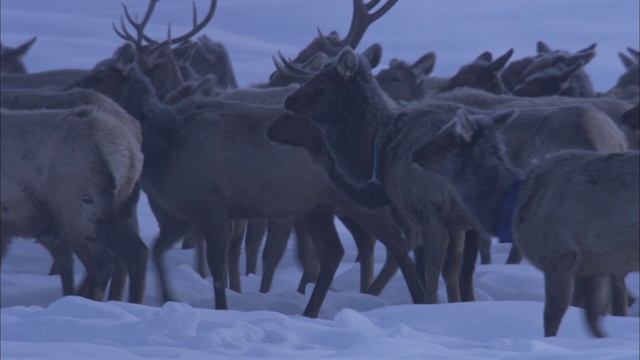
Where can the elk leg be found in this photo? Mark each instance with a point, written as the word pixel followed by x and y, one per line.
pixel 307 256
pixel 364 243
pixel 278 232
pixel 171 230
pixel 597 294
pixel 195 240
pixel 619 296
pixel 558 288
pixel 515 257
pixel 256 229
pixel 63 262
pixel 123 240
pixel 388 231
pixel 235 251
pixel 98 262
pixel 217 234
pixel 387 272
pixel 435 239
pixel 418 255
pixel 484 248
pixel 118 280
pixel 453 263
pixel 330 252
pixel 472 242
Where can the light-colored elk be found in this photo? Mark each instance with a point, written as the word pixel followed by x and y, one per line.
pixel 37 99
pixel 574 214
pixel 403 81
pixel 613 108
pixel 70 180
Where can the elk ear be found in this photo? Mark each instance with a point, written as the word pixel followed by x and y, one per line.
pixel 503 117
pixel 347 62
pixel 588 48
pixel 21 50
pixel 626 61
pixel 585 57
pixel 464 125
pixel 424 66
pixel 566 74
pixel 500 62
pixel 543 48
pixel 484 57
pixel 125 57
pixel 635 53
pixel 373 54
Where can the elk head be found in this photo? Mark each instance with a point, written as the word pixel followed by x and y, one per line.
pixel 401 81
pixel 11 58
pixel 483 73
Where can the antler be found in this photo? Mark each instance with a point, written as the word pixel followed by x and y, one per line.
pixel 360 21
pixel 138 26
pixel 196 27
pixel 294 72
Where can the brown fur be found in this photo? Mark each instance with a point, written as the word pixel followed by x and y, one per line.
pixel 71 175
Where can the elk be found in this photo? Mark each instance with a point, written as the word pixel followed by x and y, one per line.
pixel 11 58
pixel 14 74
pixel 276 96
pixel 580 85
pixel 159 63
pixel 96 149
pixel 38 99
pixel 403 81
pixel 213 165
pixel 627 87
pixel 353 107
pixel 613 108
pixel 211 57
pixel 293 130
pixel 549 82
pixel 482 73
pixel 51 79
pixel 346 103
pixel 591 234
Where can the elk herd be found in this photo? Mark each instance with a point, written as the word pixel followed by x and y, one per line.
pixel 525 150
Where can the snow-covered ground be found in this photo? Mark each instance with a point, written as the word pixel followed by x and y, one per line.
pixel 505 322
